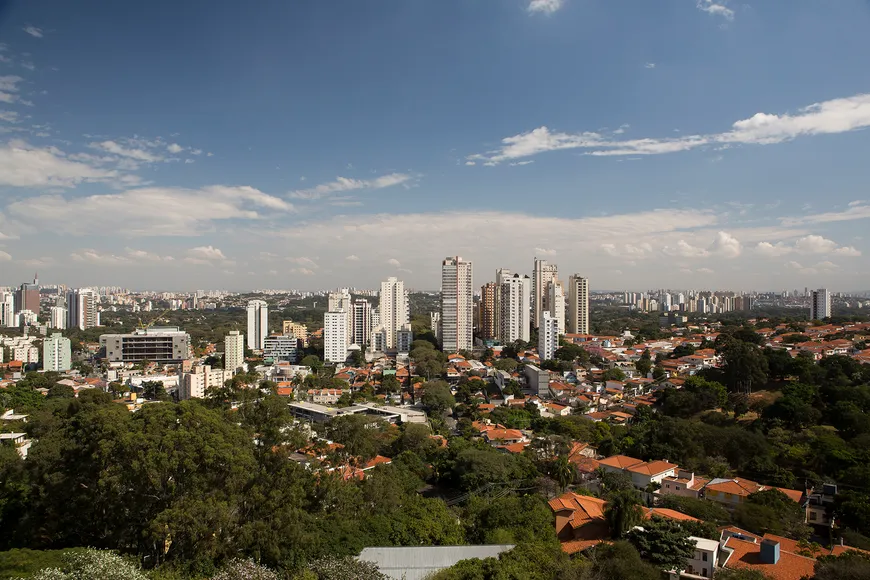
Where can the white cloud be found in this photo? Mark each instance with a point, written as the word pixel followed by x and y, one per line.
pixel 132 153
pixel 347 184
pixel 820 268
pixel 188 161
pixel 685 250
pixel 5 257
pixel 716 8
pixel 303 271
pixel 704 271
pixel 829 117
pixel 145 256
pixel 9 116
pixel 394 262
pixel 727 245
pixel 628 251
pixel 22 165
pixel 303 261
pixel 650 65
pixel 857 210
pixel 33 31
pixel 545 252
pixel 807 245
pixel 94 257
pixel 8 88
pixel 521 163
pixel 352 258
pixel 205 255
pixel 174 148
pixel 545 6
pixel 146 211
pixel 37 262
pixel 196 151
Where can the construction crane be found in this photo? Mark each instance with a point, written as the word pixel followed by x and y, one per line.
pixel 150 324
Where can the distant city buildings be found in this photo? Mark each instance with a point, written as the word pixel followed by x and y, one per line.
pixel 57 317
pixel 234 351
pixel 457 305
pixel 56 353
pixel 820 304
pixel 258 324
pixel 578 305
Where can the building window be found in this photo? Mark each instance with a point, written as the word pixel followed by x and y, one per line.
pixel 704 558
pixel 704 570
pixel 812 516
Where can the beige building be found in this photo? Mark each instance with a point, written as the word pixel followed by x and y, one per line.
pixel 578 304
pixel 300 331
pixel 200 379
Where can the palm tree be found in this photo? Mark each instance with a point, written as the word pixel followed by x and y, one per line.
pixel 563 472
pixel 623 512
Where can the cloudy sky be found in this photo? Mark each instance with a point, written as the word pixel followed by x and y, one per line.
pixel 291 144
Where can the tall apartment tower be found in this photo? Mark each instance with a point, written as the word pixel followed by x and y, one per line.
pixel 362 322
pixel 81 309
pixel 556 303
pixel 58 318
pixel 486 324
pixel 820 304
pixel 56 353
pixel 578 304
pixel 258 324
pixel 514 311
pixel 457 305
pixel 542 276
pixel 7 309
pixel 393 309
pixel 548 337
pixel 335 336
pixel 234 351
pixel 502 275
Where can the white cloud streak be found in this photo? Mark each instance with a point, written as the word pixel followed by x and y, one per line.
pixel 33 31
pixel 342 184
pixel 829 117
pixel 716 8
pixel 545 6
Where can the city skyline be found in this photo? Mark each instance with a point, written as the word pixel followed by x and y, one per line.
pixel 283 148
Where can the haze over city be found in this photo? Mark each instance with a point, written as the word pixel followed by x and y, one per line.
pixel 674 144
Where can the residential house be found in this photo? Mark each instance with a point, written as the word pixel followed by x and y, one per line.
pixel 684 483
pixel 732 492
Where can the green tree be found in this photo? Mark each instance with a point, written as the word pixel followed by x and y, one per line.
pixel 644 364
pixel 619 561
pixel 437 398
pixel 663 543
pixel 614 374
pixel 89 564
pixel 774 512
pixel 61 392
pixel 623 512
pixel 506 364
pixel 853 565
pixel 562 472
pixel 346 568
pixel 744 366
pixel 154 391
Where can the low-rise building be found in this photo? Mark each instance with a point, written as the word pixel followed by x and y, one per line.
pixel 196 383
pixel 155 344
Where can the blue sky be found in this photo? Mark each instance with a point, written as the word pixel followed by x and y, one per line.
pixel 194 144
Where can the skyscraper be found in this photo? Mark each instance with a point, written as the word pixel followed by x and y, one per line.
pixel 27 297
pixel 514 309
pixel 542 276
pixel 362 322
pixel 486 311
pixel 457 305
pixel 556 303
pixel 820 304
pixel 258 323
pixel 393 309
pixel 548 337
pixel 81 309
pixel 578 304
pixel 335 335
pixel 56 353
pixel 234 351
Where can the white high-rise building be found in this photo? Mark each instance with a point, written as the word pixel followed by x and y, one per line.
pixel 56 353
pixel 362 322
pixel 393 308
pixel 548 337
pixel 578 304
pixel 515 309
pixel 339 300
pixel 335 336
pixel 457 305
pixel 557 304
pixel 258 323
pixel 234 351
pixel 542 276
pixel 7 309
pixel 81 309
pixel 820 304
pixel 58 317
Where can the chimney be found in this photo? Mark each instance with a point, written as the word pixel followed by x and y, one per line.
pixel 769 552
